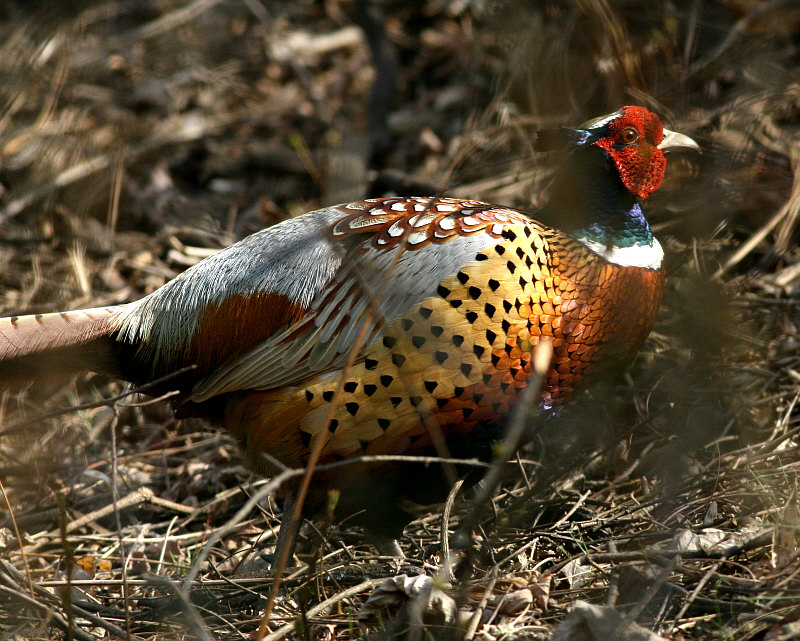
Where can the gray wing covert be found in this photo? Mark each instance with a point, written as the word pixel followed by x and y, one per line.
pixel 371 287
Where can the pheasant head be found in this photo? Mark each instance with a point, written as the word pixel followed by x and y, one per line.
pixel 611 163
pixel 635 140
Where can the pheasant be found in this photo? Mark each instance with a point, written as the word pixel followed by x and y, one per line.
pixel 442 301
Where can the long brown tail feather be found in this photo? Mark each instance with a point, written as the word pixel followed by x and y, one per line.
pixel 56 344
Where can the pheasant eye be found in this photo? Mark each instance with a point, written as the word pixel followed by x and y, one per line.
pixel 628 135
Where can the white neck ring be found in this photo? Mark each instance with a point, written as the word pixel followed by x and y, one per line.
pixel 648 256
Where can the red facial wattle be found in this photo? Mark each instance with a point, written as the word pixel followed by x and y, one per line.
pixel 638 159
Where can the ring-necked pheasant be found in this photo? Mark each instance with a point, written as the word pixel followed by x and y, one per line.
pixel 444 300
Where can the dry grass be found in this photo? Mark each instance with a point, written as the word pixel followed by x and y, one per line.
pixel 136 137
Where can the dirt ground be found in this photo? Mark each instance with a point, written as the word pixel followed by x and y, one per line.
pixel 138 137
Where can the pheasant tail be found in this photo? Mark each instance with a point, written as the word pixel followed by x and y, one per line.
pixel 56 344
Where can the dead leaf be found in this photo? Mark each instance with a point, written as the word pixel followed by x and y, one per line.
pixel 92 565
pixel 513 603
pixel 541 592
pixel 419 595
pixel 713 541
pixel 587 622
pixel 578 575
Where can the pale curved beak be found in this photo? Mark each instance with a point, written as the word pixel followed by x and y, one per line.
pixel 672 139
